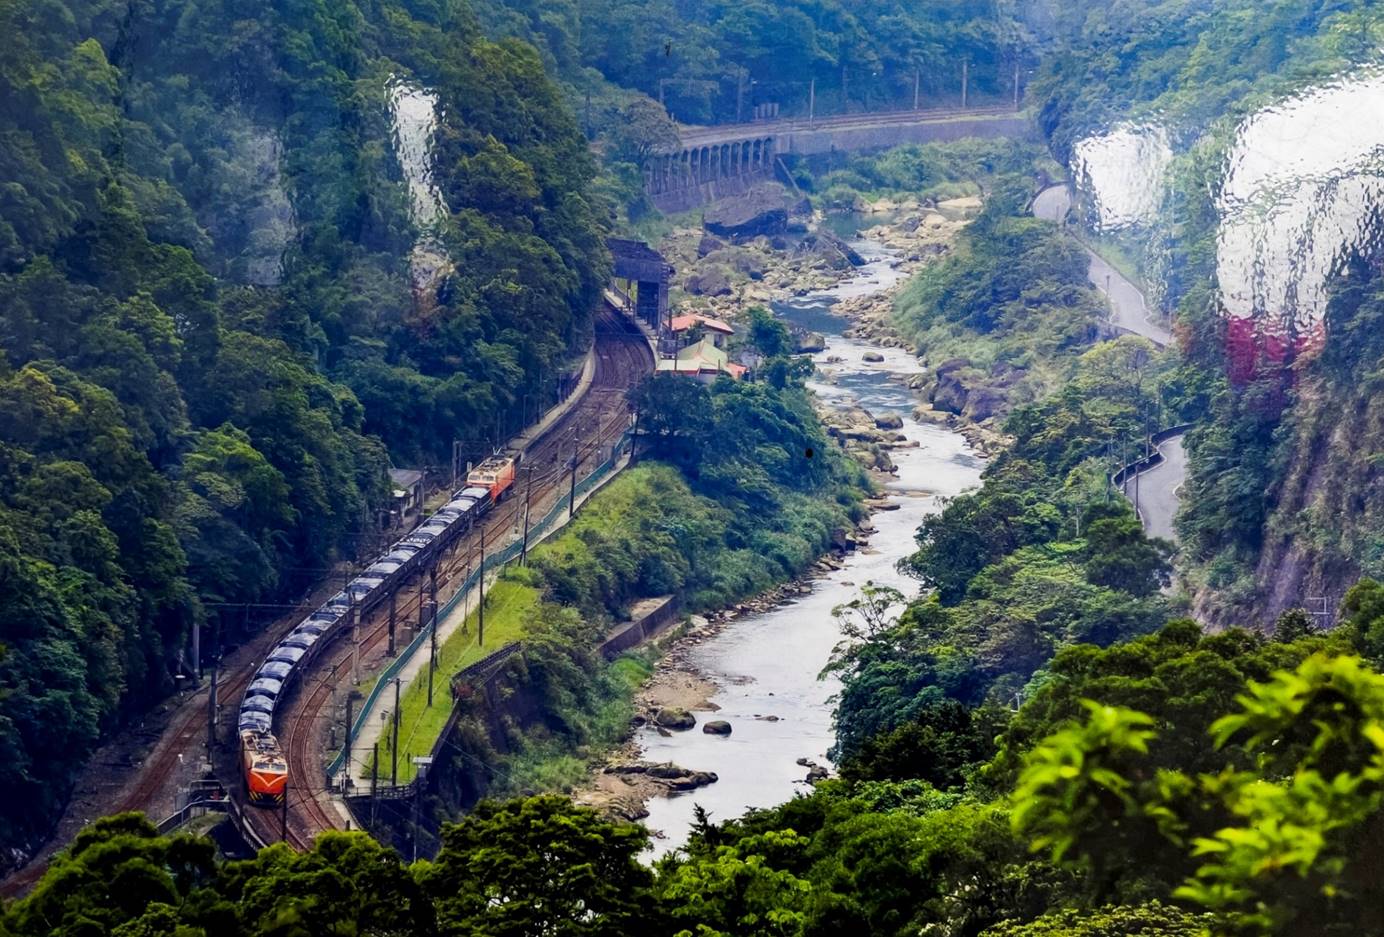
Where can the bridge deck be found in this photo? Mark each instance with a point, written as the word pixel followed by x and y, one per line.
pixel 693 136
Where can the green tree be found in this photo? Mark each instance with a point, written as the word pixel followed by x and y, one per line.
pixel 540 865
pixel 737 890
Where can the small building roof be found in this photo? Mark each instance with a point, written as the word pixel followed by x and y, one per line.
pixel 683 323
pixel 405 478
pixel 702 357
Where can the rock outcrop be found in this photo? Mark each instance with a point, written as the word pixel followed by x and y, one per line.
pixel 673 717
pixel 763 210
pixel 710 282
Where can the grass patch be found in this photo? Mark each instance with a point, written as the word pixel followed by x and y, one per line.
pixel 550 763
pixel 509 606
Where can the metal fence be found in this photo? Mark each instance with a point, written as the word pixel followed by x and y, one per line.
pixel 494 561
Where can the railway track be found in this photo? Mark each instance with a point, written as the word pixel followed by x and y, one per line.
pixel 623 358
pixel 695 136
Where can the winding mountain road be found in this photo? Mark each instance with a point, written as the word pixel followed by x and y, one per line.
pixel 1157 487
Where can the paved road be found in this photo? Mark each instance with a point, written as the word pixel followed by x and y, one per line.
pixel 1157 490
pixel 1157 487
pixel 1128 310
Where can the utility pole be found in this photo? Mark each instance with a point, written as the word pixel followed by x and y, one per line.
pixel 456 463
pixel 375 784
pixel 394 753
pixel 965 80
pixel 432 592
pixel 917 78
pixel 283 818
pixel 1016 83
pixel 466 596
pixel 432 656
pixel 346 749
pixel 740 94
pixel 355 640
pixel 211 710
pixel 393 596
pixel 413 832
pixel 572 496
pixel 1137 474
pixel 528 497
pixel 480 607
pixel 196 649
pixel 811 101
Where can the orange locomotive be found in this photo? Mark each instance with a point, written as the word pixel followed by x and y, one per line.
pixel 264 766
pixel 496 473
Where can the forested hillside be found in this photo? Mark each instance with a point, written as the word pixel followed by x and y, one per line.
pixel 1187 62
pixel 1281 501
pixel 712 61
pixel 209 345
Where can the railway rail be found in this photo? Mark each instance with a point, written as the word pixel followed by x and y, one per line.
pixel 695 136
pixel 623 358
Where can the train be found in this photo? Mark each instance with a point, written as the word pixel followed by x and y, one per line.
pixel 496 474
pixel 264 767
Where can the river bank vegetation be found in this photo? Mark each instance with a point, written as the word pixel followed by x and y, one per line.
pixel 212 345
pixel 1176 784
pixel 738 490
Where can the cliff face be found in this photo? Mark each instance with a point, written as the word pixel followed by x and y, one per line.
pixel 1326 526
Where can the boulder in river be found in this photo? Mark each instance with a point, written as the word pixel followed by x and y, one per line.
pixel 873 357
pixel 807 343
pixel 677 778
pixel 675 717
pixel 709 245
pixel 716 727
pixel 889 421
pixel 761 210
pixel 817 773
pixel 712 282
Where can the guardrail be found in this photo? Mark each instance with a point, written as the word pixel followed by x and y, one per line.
pixel 496 560
pixel 701 136
pixel 1155 458
pixel 199 808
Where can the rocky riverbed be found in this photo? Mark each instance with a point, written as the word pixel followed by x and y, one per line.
pixel 915 456
pixel 724 277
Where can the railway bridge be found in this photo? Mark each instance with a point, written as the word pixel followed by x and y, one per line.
pixel 726 159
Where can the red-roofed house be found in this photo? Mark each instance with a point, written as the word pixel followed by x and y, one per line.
pixel 715 328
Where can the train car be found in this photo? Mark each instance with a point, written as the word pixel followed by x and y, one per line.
pixel 255 720
pixel 365 591
pixel 264 767
pixel 264 686
pixel 276 670
pixel 287 654
pixel 495 474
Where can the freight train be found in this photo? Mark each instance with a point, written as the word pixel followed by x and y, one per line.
pixel 264 768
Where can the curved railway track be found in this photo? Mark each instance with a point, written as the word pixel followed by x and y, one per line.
pixel 623 358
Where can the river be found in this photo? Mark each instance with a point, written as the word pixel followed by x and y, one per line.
pixel 767 665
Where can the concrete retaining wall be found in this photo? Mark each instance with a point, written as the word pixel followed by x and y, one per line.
pixel 857 139
pixel 641 629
